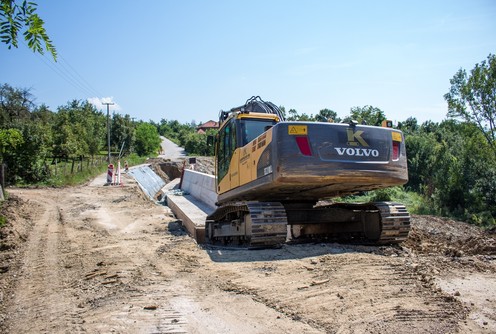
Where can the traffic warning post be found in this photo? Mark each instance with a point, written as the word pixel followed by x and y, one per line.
pixel 110 173
pixel 118 174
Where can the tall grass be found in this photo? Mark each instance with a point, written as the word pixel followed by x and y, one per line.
pixel 88 173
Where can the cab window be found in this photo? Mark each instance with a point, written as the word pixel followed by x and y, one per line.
pixel 226 144
pixel 251 129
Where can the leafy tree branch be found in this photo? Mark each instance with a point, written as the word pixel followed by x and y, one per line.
pixel 473 98
pixel 16 17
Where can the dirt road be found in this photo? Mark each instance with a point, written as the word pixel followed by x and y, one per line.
pixel 96 259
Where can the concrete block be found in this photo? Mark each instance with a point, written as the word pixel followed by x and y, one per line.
pixel 201 186
pixel 192 213
pixel 192 206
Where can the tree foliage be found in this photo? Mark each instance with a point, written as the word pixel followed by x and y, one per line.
pixel 366 115
pixel 122 133
pixel 448 163
pixel 10 139
pixel 327 115
pixel 147 139
pixel 31 137
pixel 472 98
pixel 22 17
pixel 15 105
pixel 78 130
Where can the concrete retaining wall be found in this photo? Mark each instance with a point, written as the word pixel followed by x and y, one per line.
pixel 191 207
pixel 201 186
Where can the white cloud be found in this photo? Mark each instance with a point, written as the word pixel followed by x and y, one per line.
pixel 98 102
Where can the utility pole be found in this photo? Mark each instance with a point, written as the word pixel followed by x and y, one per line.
pixel 108 127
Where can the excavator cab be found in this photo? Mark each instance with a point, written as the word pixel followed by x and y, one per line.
pixel 239 127
pixel 238 131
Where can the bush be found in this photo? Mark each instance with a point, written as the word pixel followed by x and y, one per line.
pixel 147 139
pixel 482 219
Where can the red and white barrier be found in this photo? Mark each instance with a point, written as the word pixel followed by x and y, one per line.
pixel 110 173
pixel 118 174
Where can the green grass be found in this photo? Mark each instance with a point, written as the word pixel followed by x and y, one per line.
pixel 88 173
pixel 414 202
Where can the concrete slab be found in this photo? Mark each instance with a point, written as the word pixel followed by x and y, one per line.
pixel 189 209
pixel 191 204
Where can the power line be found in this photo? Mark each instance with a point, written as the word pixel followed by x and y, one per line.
pixel 77 75
pixel 64 75
pixel 69 74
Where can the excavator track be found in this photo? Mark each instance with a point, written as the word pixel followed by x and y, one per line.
pixel 395 222
pixel 248 224
pixel 264 224
pixel 378 223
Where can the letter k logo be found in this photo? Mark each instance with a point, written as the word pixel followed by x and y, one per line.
pixel 355 137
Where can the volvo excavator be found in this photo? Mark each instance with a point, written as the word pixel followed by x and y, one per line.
pixel 275 180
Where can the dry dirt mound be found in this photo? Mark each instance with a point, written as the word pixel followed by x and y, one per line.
pixel 440 236
pixel 13 233
pixel 16 223
pixel 169 170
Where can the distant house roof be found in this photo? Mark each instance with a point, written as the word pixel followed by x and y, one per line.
pixel 202 128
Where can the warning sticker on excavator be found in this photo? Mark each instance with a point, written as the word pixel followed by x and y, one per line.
pixel 297 130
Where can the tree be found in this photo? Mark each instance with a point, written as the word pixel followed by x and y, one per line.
pixel 18 113
pixel 473 98
pixel 449 165
pixel 409 126
pixel 78 130
pixel 147 139
pixel 15 17
pixel 9 139
pixel 122 132
pixel 422 152
pixel 366 115
pixel 15 105
pixel 43 115
pixel 327 115
pixel 294 116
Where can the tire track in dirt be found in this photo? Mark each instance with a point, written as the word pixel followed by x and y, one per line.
pixel 387 296
pixel 40 293
pixel 125 287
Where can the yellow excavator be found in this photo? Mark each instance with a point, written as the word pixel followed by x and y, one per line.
pixel 274 178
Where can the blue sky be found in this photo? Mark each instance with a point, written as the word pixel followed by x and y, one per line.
pixel 186 60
